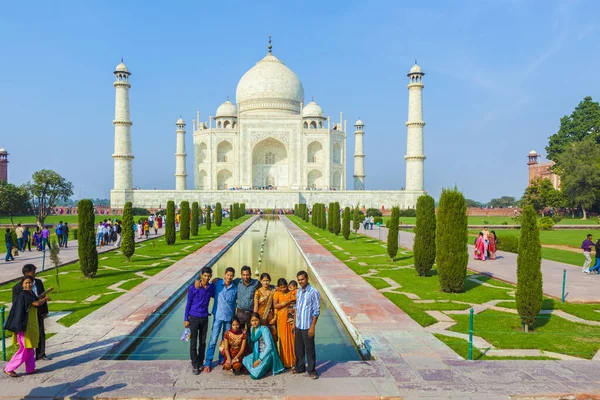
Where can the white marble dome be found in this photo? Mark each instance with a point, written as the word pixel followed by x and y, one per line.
pixel 227 109
pixel 3 150
pixel 415 69
pixel 121 67
pixel 533 153
pixel 313 110
pixel 180 121
pixel 269 80
pixel 359 123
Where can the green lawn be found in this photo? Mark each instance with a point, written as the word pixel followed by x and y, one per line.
pixel 150 258
pixel 502 329
pixel 54 219
pixel 566 237
pixel 478 220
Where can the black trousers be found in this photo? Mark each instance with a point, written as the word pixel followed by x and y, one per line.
pixel 41 349
pixel 304 345
pixel 198 327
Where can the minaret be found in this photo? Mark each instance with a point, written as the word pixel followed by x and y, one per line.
pixel 359 156
pixel 123 156
pixel 3 165
pixel 414 138
pixel 180 155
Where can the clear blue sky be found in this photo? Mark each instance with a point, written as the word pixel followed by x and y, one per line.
pixel 499 75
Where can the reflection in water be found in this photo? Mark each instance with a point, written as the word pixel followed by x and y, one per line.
pixel 281 259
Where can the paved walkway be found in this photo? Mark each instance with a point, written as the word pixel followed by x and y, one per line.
pixel 580 287
pixel 11 270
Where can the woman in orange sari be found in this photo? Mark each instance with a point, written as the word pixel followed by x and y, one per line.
pixel 281 300
pixel 263 304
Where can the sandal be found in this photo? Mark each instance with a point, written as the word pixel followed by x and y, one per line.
pixel 12 374
pixel 314 376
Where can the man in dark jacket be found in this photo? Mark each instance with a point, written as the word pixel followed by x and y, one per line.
pixel 9 244
pixel 38 288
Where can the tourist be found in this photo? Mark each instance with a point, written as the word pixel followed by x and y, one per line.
pixel 160 222
pixel 365 223
pixel 264 354
pixel 486 238
pixel 479 251
pixel 100 235
pixel 9 244
pixel 293 286
pixel 263 303
pixel 37 238
pixel 22 320
pixel 26 239
pixel 65 235
pixel 246 288
pixel 146 229
pixel 45 238
pixel 196 316
pixel 308 308
pixel 119 232
pixel 596 266
pixel 29 271
pixel 587 249
pixel 59 232
pixel 282 299
pixel 493 240
pixel 371 222
pixel 155 226
pixel 19 232
pixel 233 347
pixel 140 229
pixel 223 309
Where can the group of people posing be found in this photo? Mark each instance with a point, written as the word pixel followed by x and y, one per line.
pixel 587 246
pixel 259 327
pixel 485 245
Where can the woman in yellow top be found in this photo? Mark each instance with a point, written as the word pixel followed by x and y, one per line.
pixel 23 322
pixel 281 300
pixel 263 304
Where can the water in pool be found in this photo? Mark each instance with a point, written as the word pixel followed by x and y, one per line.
pixel 281 259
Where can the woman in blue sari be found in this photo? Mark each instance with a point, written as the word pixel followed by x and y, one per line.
pixel 264 355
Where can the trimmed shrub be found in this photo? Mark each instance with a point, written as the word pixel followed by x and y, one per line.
pixel 337 224
pixel 346 223
pixel 356 219
pixel 529 269
pixel 374 212
pixel 75 233
pixel 170 224
pixel 218 214
pixel 546 223
pixel 140 211
pixel 392 238
pixel 127 233
pixel 378 220
pixel 323 217
pixel 451 237
pixel 195 219
pixel 411 212
pixel 507 243
pixel 208 219
pixel 424 246
pixel 330 217
pixel 556 218
pixel 236 210
pixel 184 220
pixel 242 209
pixel 231 212
pixel 88 255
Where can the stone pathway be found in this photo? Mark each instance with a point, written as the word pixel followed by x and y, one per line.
pixel 580 287
pixel 12 270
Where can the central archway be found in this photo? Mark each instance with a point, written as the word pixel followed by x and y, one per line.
pixel 224 179
pixel 270 164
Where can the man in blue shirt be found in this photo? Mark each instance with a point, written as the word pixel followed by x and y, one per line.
pixel 308 309
pixel 223 309
pixel 196 316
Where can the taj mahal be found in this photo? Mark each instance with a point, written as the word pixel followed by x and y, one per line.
pixel 269 149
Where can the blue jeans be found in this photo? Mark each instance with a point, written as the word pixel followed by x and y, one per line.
pixel 9 255
pixel 596 266
pixel 217 326
pixel 99 237
pixel 20 244
pixel 45 242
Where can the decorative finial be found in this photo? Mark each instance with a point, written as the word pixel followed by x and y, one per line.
pixel 227 98
pixel 415 61
pixel 270 46
pixel 312 98
pixel 121 59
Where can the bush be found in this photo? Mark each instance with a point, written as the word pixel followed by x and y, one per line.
pixel 337 225
pixel 374 212
pixel 88 255
pixel 508 243
pixel 323 217
pixel 231 212
pixel 556 218
pixel 451 241
pixel 392 238
pixel 170 224
pixel 411 212
pixel 504 222
pixel 236 210
pixel 127 233
pixel 330 216
pixel 424 246
pixel 356 219
pixel 140 211
pixel 184 220
pixel 242 209
pixel 195 219
pixel 378 220
pixel 218 214
pixel 546 223
pixel 529 269
pixel 75 233
pixel 346 223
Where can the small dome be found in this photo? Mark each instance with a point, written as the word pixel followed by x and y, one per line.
pixel 227 109
pixel 3 150
pixel 415 69
pixel 359 123
pixel 121 67
pixel 313 110
pixel 180 121
pixel 533 153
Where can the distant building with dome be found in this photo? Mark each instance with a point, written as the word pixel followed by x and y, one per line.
pixel 268 149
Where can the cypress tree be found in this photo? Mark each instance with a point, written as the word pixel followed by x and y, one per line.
pixel 184 220
pixel 313 216
pixel 529 272
pixel 392 238
pixel 88 255
pixel 323 217
pixel 318 216
pixel 170 224
pixel 195 219
pixel 208 219
pixel 330 217
pixel 236 210
pixel 306 214
pixel 218 215
pixel 242 209
pixel 127 234
pixel 451 241
pixel 346 223
pixel 231 212
pixel 424 246
pixel 337 226
pixel 356 219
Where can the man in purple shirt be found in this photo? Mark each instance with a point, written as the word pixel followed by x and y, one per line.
pixel 587 250
pixel 45 238
pixel 196 316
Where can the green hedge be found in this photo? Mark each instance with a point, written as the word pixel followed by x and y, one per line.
pixel 507 243
pixel 127 233
pixel 184 220
pixel 88 255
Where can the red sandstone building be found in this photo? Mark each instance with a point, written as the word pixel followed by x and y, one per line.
pixel 3 165
pixel 541 170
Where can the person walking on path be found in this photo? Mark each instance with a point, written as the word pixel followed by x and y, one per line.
pixel 65 235
pixel 587 250
pixel 196 316
pixel 99 234
pixel 9 244
pixel 223 309
pixel 29 271
pixel 45 238
pixel 19 232
pixel 308 308
pixel 26 239
pixel 596 266
pixel 22 320
pixel 119 231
